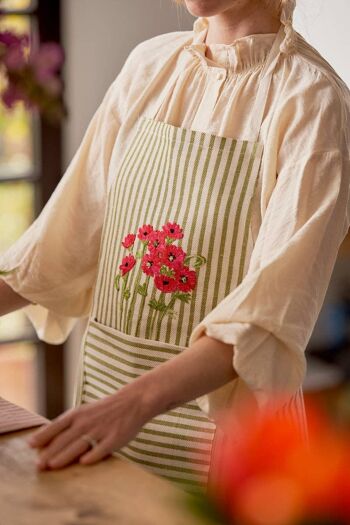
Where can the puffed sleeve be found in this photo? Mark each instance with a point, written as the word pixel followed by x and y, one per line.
pixel 54 263
pixel 269 317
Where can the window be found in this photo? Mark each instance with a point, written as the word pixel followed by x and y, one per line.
pixel 31 371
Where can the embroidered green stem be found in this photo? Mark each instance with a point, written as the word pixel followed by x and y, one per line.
pixel 125 278
pixel 137 332
pixel 157 312
pixel 135 292
pixel 163 313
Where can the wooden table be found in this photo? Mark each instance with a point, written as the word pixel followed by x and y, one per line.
pixel 113 491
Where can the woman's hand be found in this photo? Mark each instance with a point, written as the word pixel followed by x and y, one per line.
pixel 116 419
pixel 112 421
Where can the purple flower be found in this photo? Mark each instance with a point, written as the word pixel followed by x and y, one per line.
pixel 11 95
pixel 32 74
pixel 9 39
pixel 46 61
pixel 14 58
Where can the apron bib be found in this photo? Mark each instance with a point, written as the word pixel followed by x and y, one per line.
pixel 176 241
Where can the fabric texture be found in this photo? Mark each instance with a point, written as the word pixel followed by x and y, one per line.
pixel 298 222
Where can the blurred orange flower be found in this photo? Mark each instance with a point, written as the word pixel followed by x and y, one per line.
pixel 269 475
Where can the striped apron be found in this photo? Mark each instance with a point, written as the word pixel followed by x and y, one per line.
pixel 176 240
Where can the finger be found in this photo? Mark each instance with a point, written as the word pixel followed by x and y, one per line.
pixel 58 443
pixel 68 454
pixel 101 450
pixel 49 431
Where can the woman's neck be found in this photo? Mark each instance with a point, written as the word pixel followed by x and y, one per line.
pixel 234 23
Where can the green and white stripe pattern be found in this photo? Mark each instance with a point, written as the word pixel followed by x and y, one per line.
pixel 204 183
pixel 176 444
pixel 199 180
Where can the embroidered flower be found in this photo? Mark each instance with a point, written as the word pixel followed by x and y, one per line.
pixel 150 264
pixel 157 251
pixel 156 238
pixel 127 264
pixel 144 232
pixel 129 240
pixel 187 279
pixel 171 255
pixel 173 230
pixel 166 282
pixel 165 267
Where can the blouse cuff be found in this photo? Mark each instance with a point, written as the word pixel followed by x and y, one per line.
pixel 50 326
pixel 269 373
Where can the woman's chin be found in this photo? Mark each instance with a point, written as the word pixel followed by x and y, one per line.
pixel 203 7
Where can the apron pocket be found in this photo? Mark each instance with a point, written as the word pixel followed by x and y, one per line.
pixel 176 444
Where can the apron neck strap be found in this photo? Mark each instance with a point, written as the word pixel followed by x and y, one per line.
pixel 264 85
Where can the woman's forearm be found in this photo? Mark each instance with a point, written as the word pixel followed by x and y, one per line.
pixel 116 419
pixel 201 368
pixel 9 299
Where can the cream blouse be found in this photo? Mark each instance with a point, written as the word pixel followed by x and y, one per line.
pixel 300 218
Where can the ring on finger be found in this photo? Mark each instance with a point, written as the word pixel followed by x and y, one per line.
pixel 92 441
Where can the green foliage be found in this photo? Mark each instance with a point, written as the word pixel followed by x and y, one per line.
pixel 116 281
pixel 126 293
pixel 157 305
pixel 142 289
pixel 199 261
pixel 183 296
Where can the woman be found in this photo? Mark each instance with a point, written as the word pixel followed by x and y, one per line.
pixel 202 212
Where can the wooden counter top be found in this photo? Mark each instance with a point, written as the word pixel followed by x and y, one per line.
pixel 113 491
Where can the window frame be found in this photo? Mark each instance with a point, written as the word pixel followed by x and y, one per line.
pixel 47 172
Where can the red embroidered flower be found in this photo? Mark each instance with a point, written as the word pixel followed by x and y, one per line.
pixel 157 251
pixel 129 240
pixel 166 283
pixel 156 238
pixel 171 255
pixel 144 232
pixel 127 264
pixel 173 230
pixel 187 279
pixel 150 264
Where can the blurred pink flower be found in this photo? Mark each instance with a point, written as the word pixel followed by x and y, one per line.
pixel 13 94
pixel 9 39
pixel 32 75
pixel 46 61
pixel 14 58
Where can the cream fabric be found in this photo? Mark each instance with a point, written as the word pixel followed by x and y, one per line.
pixel 300 217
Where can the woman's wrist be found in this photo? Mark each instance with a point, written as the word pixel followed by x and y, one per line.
pixel 203 367
pixel 144 394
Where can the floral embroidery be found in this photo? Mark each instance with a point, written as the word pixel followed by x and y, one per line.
pixel 127 264
pixel 129 240
pixel 173 230
pixel 165 263
pixel 144 232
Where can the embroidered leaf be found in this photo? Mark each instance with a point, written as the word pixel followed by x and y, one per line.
pixel 157 305
pixel 142 289
pixel 199 260
pixel 183 296
pixel 126 293
pixel 116 281
pixel 139 255
pixel 166 270
pixel 171 313
pixel 169 240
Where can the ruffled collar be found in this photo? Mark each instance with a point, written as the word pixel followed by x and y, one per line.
pixel 243 53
